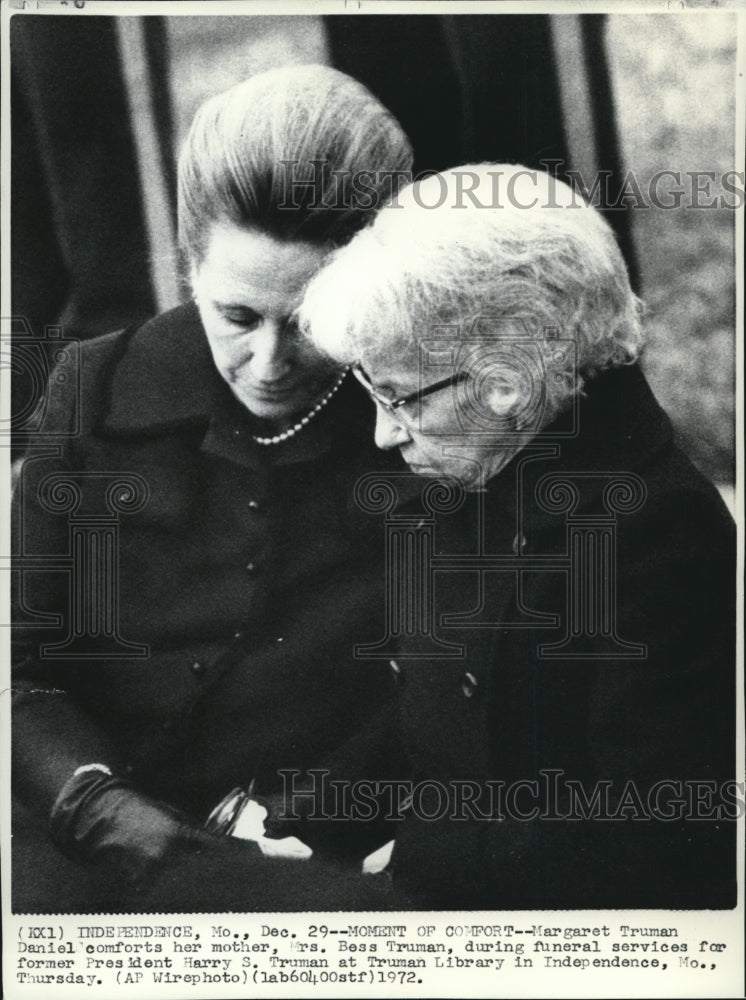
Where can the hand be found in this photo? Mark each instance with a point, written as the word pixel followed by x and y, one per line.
pixel 250 826
pixel 98 817
pixel 377 860
pixel 250 822
pixel 288 847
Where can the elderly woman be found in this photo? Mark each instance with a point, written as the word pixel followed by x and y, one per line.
pixel 568 688
pixel 205 639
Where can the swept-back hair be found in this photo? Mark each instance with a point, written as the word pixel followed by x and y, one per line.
pixel 279 152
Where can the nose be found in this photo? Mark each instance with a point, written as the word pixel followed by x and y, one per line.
pixel 271 351
pixel 389 432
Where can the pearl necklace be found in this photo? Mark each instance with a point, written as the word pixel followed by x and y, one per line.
pixel 292 431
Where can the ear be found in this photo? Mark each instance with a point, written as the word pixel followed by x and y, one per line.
pixel 506 393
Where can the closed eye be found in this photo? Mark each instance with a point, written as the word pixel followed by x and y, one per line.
pixel 245 319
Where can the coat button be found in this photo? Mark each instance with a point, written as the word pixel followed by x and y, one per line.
pixel 197 668
pixel 519 544
pixel 469 685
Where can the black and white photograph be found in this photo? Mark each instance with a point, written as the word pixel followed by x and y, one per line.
pixel 373 469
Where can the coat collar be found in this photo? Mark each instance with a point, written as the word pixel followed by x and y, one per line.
pixel 165 379
pixel 617 429
pixel 165 376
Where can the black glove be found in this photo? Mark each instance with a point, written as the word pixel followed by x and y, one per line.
pixel 98 817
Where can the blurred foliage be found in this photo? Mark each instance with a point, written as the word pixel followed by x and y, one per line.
pixel 674 86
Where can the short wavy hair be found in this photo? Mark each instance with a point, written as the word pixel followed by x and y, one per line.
pixel 524 254
pixel 269 153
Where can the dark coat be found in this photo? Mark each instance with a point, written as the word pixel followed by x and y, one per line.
pixel 510 712
pixel 245 579
pixel 502 713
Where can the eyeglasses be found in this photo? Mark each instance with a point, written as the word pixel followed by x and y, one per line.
pixel 392 405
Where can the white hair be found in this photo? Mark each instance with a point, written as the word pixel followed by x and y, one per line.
pixel 536 261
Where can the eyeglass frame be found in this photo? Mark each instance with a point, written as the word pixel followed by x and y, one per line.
pixel 392 405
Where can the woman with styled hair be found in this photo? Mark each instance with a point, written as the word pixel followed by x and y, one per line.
pixel 568 686
pixel 213 647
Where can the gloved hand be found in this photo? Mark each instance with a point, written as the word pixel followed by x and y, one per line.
pixel 99 817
